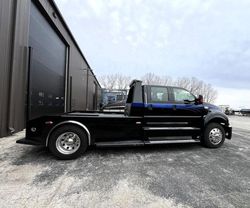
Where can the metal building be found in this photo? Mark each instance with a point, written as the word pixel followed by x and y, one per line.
pixel 42 69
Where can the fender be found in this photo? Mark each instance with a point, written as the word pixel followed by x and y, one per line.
pixel 216 116
pixel 70 122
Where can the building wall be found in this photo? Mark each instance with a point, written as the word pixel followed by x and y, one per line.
pixel 14 38
pixel 6 30
pixel 13 59
pixel 93 94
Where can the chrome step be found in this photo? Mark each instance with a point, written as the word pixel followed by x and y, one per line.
pixel 120 143
pixel 173 141
pixel 141 143
pixel 163 138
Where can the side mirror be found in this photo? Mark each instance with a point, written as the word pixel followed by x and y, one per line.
pixel 199 100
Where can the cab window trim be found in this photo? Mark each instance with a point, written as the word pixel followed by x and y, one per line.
pixel 149 99
pixel 172 97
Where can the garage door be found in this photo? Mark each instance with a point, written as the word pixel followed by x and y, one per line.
pixel 47 68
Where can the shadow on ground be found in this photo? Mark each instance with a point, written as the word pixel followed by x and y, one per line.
pixel 42 155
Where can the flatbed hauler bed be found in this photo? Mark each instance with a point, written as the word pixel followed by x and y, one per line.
pixel 153 115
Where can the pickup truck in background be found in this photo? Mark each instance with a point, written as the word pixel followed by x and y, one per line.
pixel 153 115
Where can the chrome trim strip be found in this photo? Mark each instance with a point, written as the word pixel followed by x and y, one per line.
pixel 168 123
pixel 172 116
pixel 174 141
pixel 170 128
pixel 166 138
pixel 71 122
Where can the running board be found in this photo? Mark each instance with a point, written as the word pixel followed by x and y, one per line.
pixel 120 143
pixel 173 141
pixel 141 143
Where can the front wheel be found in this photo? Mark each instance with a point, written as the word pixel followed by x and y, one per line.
pixel 214 135
pixel 68 142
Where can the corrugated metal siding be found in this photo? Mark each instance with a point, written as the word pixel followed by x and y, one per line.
pixel 6 18
pixel 92 92
pixel 19 66
pixel 13 35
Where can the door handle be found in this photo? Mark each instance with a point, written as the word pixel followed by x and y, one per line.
pixel 150 107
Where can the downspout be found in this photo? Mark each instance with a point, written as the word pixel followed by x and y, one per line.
pixel 87 90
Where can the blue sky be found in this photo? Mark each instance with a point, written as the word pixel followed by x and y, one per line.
pixel 208 39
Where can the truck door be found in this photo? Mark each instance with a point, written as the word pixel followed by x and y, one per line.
pixel 184 104
pixel 157 113
pixel 186 108
pixel 168 114
pixel 157 101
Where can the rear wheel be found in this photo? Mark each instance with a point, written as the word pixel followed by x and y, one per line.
pixel 68 142
pixel 214 135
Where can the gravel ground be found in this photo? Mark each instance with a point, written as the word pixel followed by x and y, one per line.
pixel 241 122
pixel 183 175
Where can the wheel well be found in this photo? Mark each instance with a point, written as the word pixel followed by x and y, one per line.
pixel 74 123
pixel 217 120
pixel 221 121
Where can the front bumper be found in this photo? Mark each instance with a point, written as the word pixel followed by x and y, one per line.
pixel 28 142
pixel 228 131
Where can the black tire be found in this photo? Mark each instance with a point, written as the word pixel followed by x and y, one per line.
pixel 59 151
pixel 207 139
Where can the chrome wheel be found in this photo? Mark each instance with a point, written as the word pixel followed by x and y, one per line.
pixel 215 136
pixel 68 143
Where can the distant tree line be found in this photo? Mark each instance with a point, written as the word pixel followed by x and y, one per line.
pixel 194 85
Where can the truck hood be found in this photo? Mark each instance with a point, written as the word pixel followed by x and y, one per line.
pixel 212 107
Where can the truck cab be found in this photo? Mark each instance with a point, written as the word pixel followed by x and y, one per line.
pixel 153 115
pixel 171 112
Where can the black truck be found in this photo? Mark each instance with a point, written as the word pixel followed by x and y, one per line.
pixel 152 115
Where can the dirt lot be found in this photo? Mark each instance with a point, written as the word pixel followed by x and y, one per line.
pixel 185 175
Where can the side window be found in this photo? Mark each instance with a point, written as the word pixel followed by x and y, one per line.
pixel 158 95
pixel 130 95
pixel 181 94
